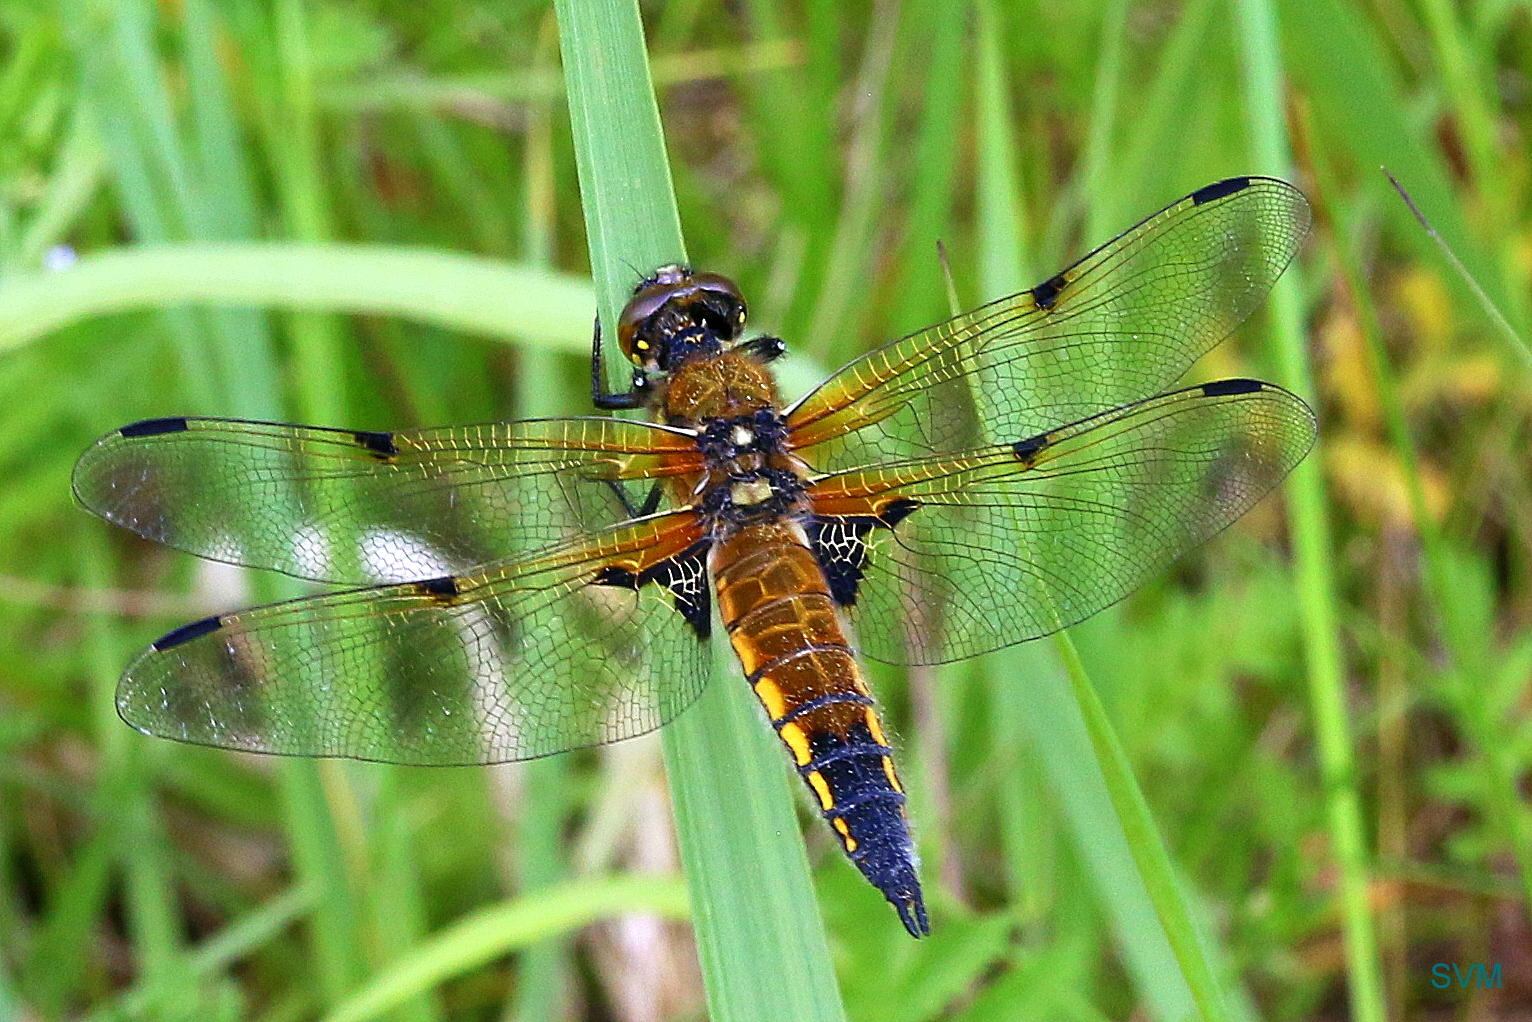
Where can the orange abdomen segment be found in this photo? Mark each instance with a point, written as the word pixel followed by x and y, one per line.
pixel 776 606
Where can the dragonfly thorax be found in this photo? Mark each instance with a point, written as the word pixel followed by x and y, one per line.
pixel 760 432
pixel 732 500
pixel 749 474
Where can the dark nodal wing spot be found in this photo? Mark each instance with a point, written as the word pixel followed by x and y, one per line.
pixel 1027 450
pixel 1047 293
pixel 186 633
pixel 381 444
pixel 897 511
pixel 611 575
pixel 1224 388
pixel 1219 189
pixel 154 427
pixel 444 588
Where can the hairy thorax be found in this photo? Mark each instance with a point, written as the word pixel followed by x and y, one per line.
pixel 750 474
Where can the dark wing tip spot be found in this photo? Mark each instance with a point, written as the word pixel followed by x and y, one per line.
pixel 444 588
pixel 154 427
pixel 186 633
pixel 381 444
pixel 1224 388
pixel 1219 189
pixel 1047 293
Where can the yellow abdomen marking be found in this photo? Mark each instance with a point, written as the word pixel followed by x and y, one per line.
pixel 796 741
pixel 821 788
pixel 845 834
pixel 875 728
pixel 770 695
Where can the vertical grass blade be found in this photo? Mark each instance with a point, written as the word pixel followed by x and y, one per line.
pixel 226 356
pixel 1106 812
pixel 758 934
pixel 1313 546
pixel 544 972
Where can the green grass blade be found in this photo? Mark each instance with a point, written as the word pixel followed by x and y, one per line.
pixel 1514 342
pixel 758 933
pixel 202 964
pixel 491 932
pixel 1144 841
pixel 1314 547
pixel 759 937
pixel 447 289
pixel 1341 63
pixel 226 354
pixel 1462 634
pixel 546 970
pixel 943 51
pixel 1095 160
pixel 1091 778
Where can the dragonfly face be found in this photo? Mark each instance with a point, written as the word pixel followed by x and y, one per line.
pixel 678 316
pixel 515 589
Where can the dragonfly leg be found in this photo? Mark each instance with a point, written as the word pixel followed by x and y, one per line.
pixel 650 505
pixel 638 393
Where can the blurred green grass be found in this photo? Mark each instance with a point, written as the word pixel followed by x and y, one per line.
pixel 818 154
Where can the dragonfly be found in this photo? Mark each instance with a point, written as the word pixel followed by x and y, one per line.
pixel 516 589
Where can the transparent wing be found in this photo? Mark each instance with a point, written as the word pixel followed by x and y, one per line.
pixel 1124 322
pixel 510 662
pixel 1007 543
pixel 355 507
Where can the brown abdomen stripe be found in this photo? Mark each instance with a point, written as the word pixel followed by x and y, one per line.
pixel 777 609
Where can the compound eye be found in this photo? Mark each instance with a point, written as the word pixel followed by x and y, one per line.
pixel 717 283
pixel 635 318
pixel 725 294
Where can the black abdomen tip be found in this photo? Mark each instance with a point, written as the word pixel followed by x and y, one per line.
pixel 912 913
pixel 892 871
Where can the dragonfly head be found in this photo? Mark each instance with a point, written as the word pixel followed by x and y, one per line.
pixel 677 315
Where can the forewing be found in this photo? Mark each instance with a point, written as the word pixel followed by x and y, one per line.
pixel 511 662
pixel 355 507
pixel 1124 322
pixel 1008 543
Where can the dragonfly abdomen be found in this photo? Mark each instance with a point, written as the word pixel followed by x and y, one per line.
pixel 777 609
